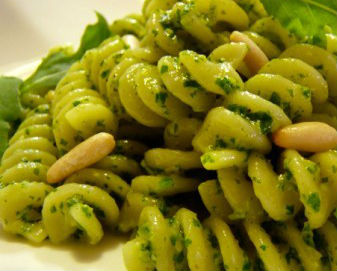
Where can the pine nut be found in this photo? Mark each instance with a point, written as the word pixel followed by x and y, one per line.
pixel 255 58
pixel 307 136
pixel 83 155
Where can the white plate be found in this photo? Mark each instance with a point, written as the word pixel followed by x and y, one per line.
pixel 27 30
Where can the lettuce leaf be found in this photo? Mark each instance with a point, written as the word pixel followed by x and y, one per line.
pixel 55 65
pixel 10 108
pixel 307 19
pixel 4 135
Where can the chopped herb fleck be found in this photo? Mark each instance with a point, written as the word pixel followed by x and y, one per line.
pixel 53 209
pixel 292 255
pixel 161 98
pixel 191 83
pixel 306 93
pixel 239 109
pixel 275 99
pixel 144 230
pixel 105 73
pixel 255 179
pixel 319 67
pixel 100 123
pixel 163 69
pixel 290 209
pixel 99 212
pixel 171 221
pixel 196 223
pixel 312 168
pixel 187 242
pixel 86 211
pixel 325 180
pixel 207 158
pixel 76 103
pixel 308 235
pixel 36 171
pixel 63 142
pixel 147 247
pixel 173 240
pixel 178 257
pixel 226 85
pixel 286 108
pixel 246 265
pixel 219 143
pixel 166 182
pixel 264 119
pixel 263 247
pixel 165 21
pixel 334 169
pixel 212 239
pixel 72 201
pixel 314 201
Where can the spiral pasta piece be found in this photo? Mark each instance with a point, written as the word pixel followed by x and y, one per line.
pixel 280 193
pixel 298 88
pixel 303 253
pixel 272 29
pixel 224 129
pixel 148 95
pixel 124 159
pixel 79 112
pixel 131 24
pixel 171 29
pixel 307 183
pixel 73 207
pixel 213 245
pixel 106 175
pixel 178 135
pixel 132 207
pixel 152 95
pixel 103 179
pixel 301 73
pixel 167 168
pixel 292 98
pixel 31 150
pixel 319 58
pixel 153 191
pixel 20 209
pixel 170 161
pixel 120 165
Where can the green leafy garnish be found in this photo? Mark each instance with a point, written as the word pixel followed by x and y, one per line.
pixel 4 131
pixel 55 65
pixel 307 19
pixel 10 108
pixel 314 201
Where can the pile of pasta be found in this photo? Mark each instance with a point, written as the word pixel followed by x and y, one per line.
pixel 193 91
